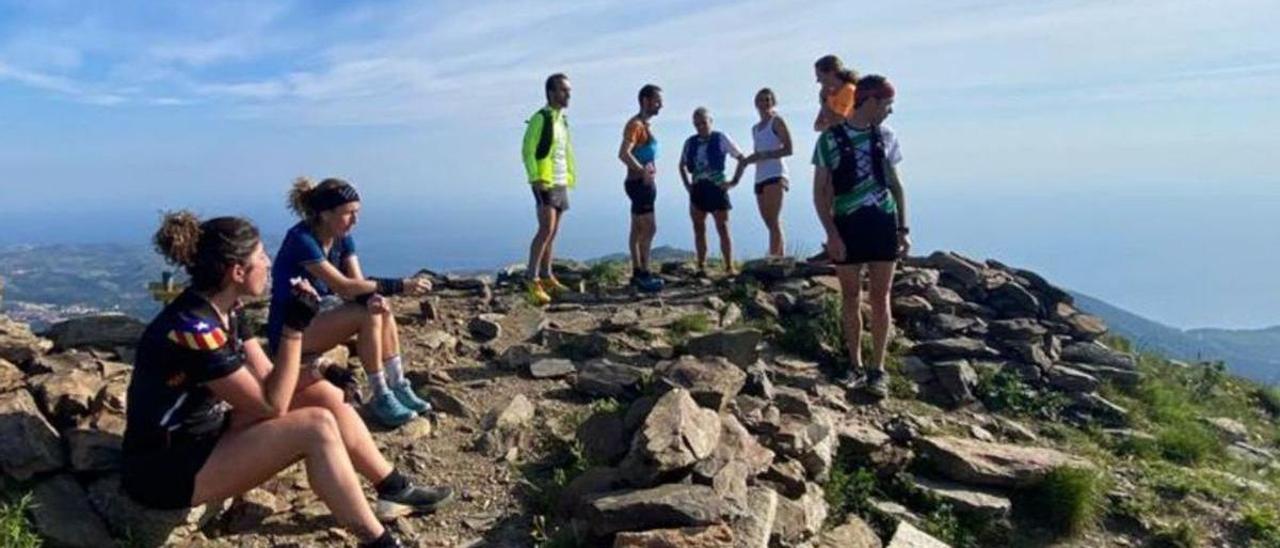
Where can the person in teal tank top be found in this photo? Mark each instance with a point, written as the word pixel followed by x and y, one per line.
pixel 639 152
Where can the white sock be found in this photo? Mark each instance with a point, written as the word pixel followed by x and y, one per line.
pixel 394 367
pixel 378 381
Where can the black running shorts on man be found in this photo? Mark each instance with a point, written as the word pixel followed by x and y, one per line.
pixel 643 195
pixel 173 420
pixel 556 197
pixel 709 197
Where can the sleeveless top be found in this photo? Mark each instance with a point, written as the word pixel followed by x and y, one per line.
pixel 765 139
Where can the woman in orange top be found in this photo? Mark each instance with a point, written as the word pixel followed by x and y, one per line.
pixel 836 95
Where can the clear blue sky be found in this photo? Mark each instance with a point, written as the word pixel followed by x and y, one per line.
pixel 1127 149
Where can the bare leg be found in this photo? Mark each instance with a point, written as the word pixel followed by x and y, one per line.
pixel 547 253
pixel 633 244
pixel 699 218
pixel 335 327
pixel 770 202
pixel 245 458
pixel 851 310
pixel 538 248
pixel 390 336
pixel 365 456
pixel 646 241
pixel 881 274
pixel 726 241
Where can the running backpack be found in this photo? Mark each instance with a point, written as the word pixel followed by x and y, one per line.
pixel 848 157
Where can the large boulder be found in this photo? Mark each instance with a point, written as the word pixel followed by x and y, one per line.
pixel 961 269
pixel 505 426
pixel 105 331
pixel 670 505
pixel 674 436
pixel 577 345
pixel 993 464
pixel 799 519
pixel 736 445
pixel 18 344
pixel 957 378
pixel 1013 301
pixel 93 450
pixel 1069 379
pixel 61 513
pixel 985 503
pixel 485 327
pixel 853 533
pixel 754 528
pixel 738 345
pixel 603 437
pixel 144 526
pixel 31 446
pixel 11 378
pixel 66 396
pixel 712 382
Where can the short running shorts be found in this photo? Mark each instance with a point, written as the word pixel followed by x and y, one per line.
pixel 556 197
pixel 870 234
pixel 709 197
pixel 642 194
pixel 166 478
pixel 770 181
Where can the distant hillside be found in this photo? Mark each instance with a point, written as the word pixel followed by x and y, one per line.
pixel 45 284
pixel 658 254
pixel 1253 353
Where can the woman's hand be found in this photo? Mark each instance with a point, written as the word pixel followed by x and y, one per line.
pixel 302 306
pixel 378 304
pixel 904 244
pixel 650 173
pixel 417 286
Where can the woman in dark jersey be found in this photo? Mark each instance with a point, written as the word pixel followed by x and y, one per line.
pixel 209 416
pixel 320 249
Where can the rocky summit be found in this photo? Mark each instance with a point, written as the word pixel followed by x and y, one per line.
pixel 704 416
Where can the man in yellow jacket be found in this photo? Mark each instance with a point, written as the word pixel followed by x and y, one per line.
pixel 548 162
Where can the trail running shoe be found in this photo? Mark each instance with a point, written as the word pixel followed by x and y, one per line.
pixel 651 284
pixel 878 383
pixel 536 294
pixel 409 398
pixel 388 410
pixel 554 286
pixel 412 500
pixel 846 378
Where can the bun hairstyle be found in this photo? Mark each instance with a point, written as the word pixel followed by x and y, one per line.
pixel 205 249
pixel 308 201
pixel 832 64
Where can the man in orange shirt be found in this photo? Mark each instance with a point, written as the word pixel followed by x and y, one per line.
pixel 638 152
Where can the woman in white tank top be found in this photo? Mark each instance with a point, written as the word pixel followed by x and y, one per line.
pixel 772 143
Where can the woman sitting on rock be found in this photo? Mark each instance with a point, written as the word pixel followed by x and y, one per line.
pixel 320 250
pixel 209 416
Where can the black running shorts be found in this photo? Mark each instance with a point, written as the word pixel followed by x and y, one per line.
pixel 166 478
pixel 642 194
pixel 709 197
pixel 870 234
pixel 556 197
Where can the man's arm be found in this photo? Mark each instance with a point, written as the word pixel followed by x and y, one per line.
pixel 624 152
pixel 529 149
pixel 899 197
pixel 823 199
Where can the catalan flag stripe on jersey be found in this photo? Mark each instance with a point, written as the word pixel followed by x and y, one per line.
pixel 198 334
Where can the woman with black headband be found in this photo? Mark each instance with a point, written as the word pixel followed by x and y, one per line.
pixel 209 416
pixel 320 250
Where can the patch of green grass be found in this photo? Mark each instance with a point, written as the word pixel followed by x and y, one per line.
pixel 1262 524
pixel 848 491
pixel 15 529
pixel 697 322
pixel 1183 535
pixel 819 336
pixel 1003 391
pixel 606 274
pixel 1188 443
pixel 1269 396
pixel 1069 500
pixel 943 523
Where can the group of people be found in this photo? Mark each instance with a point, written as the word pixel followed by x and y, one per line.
pixel 212 413
pixel 858 193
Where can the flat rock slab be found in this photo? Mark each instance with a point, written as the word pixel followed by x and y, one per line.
pixel 907 536
pixel 994 464
pixel 967 499
pixel 550 368
pixel 713 536
pixel 670 505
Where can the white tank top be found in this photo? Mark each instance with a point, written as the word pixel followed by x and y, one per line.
pixel 764 139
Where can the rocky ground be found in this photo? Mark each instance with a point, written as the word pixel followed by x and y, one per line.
pixel 704 417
